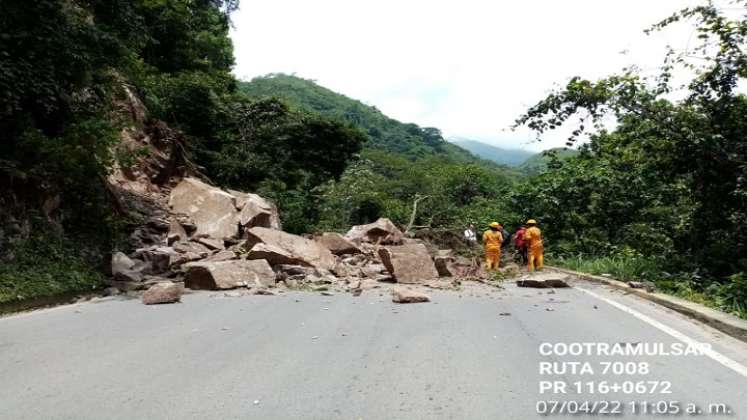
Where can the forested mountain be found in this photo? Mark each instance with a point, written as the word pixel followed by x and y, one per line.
pixel 499 155
pixel 539 162
pixel 399 163
pixel 386 133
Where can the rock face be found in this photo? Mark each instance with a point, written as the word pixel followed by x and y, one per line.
pixel 409 296
pixel 166 292
pixel 409 263
pixel 228 274
pixel 278 247
pixel 212 209
pixel 382 231
pixel 337 244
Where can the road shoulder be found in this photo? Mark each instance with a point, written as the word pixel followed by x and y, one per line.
pixel 721 321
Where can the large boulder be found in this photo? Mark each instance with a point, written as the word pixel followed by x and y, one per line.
pixel 222 256
pixel 409 263
pixel 191 248
pixel 165 292
pixel 212 209
pixel 176 233
pixel 256 211
pixel 210 243
pixel 160 258
pixel 278 247
pixel 382 231
pixel 337 244
pixel 228 274
pixel 443 265
pixel 543 280
pixel 121 263
pixel 125 270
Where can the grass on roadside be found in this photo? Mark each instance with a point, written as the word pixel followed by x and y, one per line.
pixel 729 296
pixel 44 266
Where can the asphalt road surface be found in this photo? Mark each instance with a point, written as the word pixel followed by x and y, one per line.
pixel 473 354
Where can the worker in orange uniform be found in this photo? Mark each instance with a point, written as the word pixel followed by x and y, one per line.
pixel 533 238
pixel 492 239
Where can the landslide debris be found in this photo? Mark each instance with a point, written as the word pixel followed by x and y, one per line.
pixel 207 238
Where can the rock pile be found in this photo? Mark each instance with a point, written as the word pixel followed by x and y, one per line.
pixel 222 239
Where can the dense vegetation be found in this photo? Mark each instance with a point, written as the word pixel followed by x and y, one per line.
pixel 400 164
pixel 385 133
pixel 539 162
pixel 664 192
pixel 661 195
pixel 64 68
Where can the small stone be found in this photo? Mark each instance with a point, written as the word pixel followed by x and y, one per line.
pixel 408 296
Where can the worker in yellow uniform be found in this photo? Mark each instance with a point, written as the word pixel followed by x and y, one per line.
pixel 535 249
pixel 492 239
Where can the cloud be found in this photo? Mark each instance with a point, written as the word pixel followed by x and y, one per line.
pixel 468 67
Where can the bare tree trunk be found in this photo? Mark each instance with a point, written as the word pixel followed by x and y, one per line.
pixel 414 211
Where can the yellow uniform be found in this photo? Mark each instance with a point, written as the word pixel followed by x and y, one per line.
pixel 492 241
pixel 535 249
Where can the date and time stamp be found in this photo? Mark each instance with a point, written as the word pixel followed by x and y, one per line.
pixel 600 380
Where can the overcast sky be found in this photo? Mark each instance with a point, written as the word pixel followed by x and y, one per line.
pixel 468 67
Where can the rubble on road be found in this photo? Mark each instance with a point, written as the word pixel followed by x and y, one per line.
pixel 444 261
pixel 337 244
pixel 165 292
pixel 409 263
pixel 647 285
pixel 218 239
pixel 543 280
pixel 278 247
pixel 400 295
pixel 228 274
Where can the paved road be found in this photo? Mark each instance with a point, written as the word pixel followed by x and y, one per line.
pixel 306 356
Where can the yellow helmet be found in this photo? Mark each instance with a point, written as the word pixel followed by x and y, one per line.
pixel 531 222
pixel 495 225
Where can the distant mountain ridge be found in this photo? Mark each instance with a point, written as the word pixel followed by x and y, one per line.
pixel 386 134
pixel 499 155
pixel 538 162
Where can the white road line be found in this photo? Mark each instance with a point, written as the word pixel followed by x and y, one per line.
pixel 713 354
